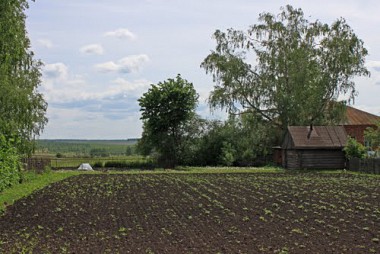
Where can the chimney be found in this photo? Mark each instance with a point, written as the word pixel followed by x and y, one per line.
pixel 310 131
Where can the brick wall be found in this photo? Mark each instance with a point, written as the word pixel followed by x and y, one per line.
pixel 357 131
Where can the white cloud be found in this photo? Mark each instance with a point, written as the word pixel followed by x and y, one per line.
pixel 121 33
pixel 58 85
pixel 92 49
pixel 124 85
pixel 108 67
pixel 55 71
pixel 374 68
pixel 45 43
pixel 121 87
pixel 125 65
pixel 61 86
pixel 81 122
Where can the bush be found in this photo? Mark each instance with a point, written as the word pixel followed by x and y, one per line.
pixel 228 154
pixel 47 169
pixel 129 164
pixel 98 164
pixel 9 164
pixel 354 149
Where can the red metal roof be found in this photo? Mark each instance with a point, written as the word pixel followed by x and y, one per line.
pixel 325 137
pixel 358 117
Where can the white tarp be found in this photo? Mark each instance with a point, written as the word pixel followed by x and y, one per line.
pixel 85 166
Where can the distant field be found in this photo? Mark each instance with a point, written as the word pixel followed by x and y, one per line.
pixel 80 148
pixel 75 162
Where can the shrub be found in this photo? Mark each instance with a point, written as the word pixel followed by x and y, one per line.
pixel 129 164
pixel 354 149
pixel 98 164
pixel 114 164
pixel 9 164
pixel 228 154
pixel 47 169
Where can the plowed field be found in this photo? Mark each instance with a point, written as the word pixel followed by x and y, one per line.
pixel 198 213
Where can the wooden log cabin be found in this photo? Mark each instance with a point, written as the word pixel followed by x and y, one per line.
pixel 314 147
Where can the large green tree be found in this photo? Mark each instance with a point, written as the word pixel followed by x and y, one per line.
pixel 286 69
pixel 242 140
pixel 22 107
pixel 165 110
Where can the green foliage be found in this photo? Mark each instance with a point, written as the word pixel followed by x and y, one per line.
pixel 128 151
pixel 372 135
pixel 130 164
pixel 98 164
pixel 206 149
pixel 98 152
pixel 354 149
pixel 47 169
pixel 9 164
pixel 165 110
pixel 254 138
pixel 242 140
pixel 295 59
pixel 74 162
pixel 22 111
pixel 228 154
pixel 82 148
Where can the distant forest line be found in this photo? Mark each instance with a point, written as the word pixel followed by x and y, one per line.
pixel 84 148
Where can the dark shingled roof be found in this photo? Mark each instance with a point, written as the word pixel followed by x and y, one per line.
pixel 325 137
pixel 358 117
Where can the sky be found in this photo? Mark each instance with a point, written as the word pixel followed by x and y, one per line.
pixel 101 56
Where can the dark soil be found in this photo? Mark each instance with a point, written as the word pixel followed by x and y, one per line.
pixel 198 213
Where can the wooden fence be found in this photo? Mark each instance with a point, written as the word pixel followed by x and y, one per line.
pixel 37 164
pixel 369 166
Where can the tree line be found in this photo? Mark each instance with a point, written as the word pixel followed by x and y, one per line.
pixel 283 71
